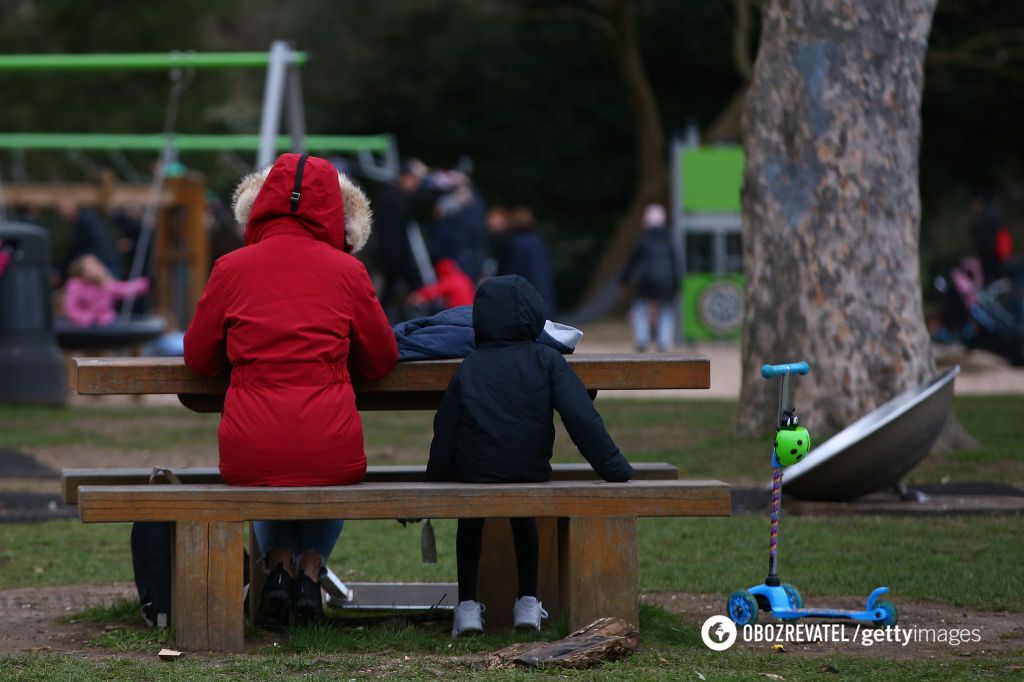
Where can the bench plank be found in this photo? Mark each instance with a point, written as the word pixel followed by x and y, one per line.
pixel 412 385
pixel 101 504
pixel 72 479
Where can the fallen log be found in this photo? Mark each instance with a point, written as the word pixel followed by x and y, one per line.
pixel 606 639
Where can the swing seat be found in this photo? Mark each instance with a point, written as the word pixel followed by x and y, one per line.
pixel 136 331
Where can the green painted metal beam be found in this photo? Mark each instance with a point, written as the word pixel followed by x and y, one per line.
pixel 186 143
pixel 139 61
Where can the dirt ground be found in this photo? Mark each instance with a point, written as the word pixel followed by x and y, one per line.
pixel 999 632
pixel 34 619
pixel 41 620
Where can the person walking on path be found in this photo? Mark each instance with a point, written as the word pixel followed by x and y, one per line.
pixel 654 271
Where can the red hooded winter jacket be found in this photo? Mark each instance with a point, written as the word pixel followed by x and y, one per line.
pixel 291 314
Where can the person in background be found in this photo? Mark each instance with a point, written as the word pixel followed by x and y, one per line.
pixel 528 256
pixel 654 271
pixel 453 287
pixel 89 236
pixel 91 292
pixel 394 208
pixel 498 236
pixel 459 230
pixel 992 241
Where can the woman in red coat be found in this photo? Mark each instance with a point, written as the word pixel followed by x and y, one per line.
pixel 292 315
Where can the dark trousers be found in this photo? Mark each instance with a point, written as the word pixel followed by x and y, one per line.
pixel 468 541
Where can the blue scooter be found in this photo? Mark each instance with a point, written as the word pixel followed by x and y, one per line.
pixel 792 443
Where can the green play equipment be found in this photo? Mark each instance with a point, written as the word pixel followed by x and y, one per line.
pixel 282 94
pixel 141 61
pixel 706 218
pixel 282 98
pixel 154 142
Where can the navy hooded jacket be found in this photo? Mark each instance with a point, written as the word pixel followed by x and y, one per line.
pixel 495 423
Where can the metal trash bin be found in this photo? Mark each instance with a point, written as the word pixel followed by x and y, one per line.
pixel 31 365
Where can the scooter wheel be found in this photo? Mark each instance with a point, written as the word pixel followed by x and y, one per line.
pixel 795 600
pixel 891 615
pixel 742 608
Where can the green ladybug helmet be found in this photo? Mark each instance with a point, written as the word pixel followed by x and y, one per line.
pixel 792 445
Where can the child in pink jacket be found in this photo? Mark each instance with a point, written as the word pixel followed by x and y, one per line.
pixel 91 292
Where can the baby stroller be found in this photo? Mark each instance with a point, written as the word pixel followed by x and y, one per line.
pixel 989 317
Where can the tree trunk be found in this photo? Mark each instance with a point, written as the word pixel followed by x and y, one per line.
pixel 831 208
pixel 652 169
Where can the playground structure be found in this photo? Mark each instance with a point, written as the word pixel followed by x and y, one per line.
pixel 706 219
pixel 174 204
pixel 181 251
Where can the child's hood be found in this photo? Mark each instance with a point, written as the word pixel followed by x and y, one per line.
pixel 328 205
pixel 507 309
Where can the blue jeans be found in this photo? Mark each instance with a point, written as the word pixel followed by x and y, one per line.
pixel 299 536
pixel 665 313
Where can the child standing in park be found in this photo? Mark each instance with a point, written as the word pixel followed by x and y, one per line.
pixel 495 425
pixel 292 316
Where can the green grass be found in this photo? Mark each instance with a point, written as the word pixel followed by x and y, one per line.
pixel 824 556
pixel 670 650
pixel 695 435
pixel 964 561
pixel 118 428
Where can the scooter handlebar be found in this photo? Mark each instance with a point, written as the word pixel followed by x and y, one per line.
pixel 769 371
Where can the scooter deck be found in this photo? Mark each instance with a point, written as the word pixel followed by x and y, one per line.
pixel 805 612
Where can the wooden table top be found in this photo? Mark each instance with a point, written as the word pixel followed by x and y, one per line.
pixel 411 385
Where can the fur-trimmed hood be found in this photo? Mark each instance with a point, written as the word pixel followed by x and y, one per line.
pixel 336 212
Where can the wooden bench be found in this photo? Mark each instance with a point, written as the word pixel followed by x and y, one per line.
pixel 411 386
pixel 497 583
pixel 597 562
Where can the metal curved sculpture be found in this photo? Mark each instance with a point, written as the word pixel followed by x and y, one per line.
pixel 877 450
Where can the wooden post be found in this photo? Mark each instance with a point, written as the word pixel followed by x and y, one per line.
pixel 498 584
pixel 598 574
pixel 257 573
pixel 206 586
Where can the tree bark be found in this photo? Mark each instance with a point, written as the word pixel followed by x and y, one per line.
pixel 606 639
pixel 831 209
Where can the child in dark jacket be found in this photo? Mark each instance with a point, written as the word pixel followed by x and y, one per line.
pixel 495 425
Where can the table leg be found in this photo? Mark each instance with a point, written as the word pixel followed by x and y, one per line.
pixel 207 586
pixel 498 584
pixel 598 571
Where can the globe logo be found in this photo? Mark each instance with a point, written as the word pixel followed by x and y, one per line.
pixel 718 633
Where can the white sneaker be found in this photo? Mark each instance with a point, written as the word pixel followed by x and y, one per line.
pixel 468 618
pixel 528 613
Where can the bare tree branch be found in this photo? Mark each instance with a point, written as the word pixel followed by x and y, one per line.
pixel 573 13
pixel 741 41
pixel 994 52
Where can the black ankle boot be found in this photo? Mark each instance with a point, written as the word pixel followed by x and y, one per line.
pixel 307 601
pixel 276 601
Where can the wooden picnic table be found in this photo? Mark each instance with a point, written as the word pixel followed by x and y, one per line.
pixel 588 533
